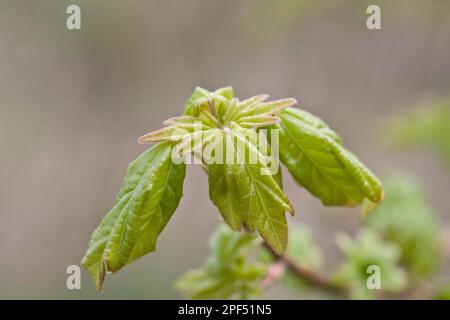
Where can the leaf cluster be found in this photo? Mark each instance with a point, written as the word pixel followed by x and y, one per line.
pixel 246 185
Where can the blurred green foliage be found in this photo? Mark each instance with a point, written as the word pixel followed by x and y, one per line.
pixel 227 273
pixel 368 249
pixel 407 219
pixel 400 238
pixel 302 248
pixel 443 293
pixel 304 251
pixel 427 127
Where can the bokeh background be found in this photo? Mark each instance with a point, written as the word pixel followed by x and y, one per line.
pixel 72 104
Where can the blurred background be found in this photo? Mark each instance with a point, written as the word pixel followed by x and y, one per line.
pixel 72 104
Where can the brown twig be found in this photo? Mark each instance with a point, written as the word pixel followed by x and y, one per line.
pixel 311 277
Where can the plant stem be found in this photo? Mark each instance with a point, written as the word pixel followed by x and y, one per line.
pixel 311 277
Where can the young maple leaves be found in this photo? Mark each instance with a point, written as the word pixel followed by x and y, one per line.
pixel 238 143
pixel 209 114
pixel 242 182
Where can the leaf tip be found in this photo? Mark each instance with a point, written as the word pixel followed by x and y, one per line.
pixel 144 139
pixel 291 210
pixel 291 101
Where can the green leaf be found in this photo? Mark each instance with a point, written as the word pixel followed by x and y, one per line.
pixel 223 192
pixel 257 121
pixel 218 100
pixel 226 92
pixel 191 107
pixel 244 194
pixel 236 108
pixel 315 157
pixel 266 108
pixel 149 195
pixel 227 273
